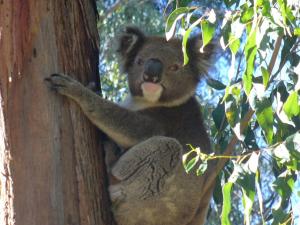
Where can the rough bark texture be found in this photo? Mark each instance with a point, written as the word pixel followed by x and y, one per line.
pixel 51 166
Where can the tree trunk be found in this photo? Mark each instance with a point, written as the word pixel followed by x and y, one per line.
pixel 51 167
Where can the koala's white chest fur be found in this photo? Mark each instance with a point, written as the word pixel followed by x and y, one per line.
pixel 135 103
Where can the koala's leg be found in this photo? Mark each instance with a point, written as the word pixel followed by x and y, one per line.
pixel 145 168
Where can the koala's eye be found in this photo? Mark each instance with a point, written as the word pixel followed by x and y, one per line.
pixel 174 67
pixel 140 61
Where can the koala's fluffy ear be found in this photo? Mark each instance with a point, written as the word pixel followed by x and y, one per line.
pixel 130 42
pixel 199 59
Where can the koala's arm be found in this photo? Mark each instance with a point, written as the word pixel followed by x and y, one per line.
pixel 125 127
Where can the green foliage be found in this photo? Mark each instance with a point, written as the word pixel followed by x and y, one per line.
pixel 226 203
pixel 263 82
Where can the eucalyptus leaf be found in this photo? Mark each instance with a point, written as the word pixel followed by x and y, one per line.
pixel 247 14
pixel 265 75
pixel 208 31
pixel 234 44
pixel 191 164
pixel 185 40
pixel 291 106
pixel 217 195
pixel 250 54
pixel 226 207
pixel 265 117
pixel 215 84
pixel 232 112
pixel 176 15
pixel 219 117
pixel 202 168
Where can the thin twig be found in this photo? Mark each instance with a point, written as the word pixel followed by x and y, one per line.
pixel 275 54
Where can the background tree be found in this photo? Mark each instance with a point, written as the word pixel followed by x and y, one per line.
pixel 51 169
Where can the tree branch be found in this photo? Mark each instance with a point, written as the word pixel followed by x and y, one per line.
pixel 275 54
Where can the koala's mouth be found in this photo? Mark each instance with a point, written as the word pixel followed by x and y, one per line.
pixel 151 91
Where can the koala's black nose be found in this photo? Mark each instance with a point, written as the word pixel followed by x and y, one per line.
pixel 153 70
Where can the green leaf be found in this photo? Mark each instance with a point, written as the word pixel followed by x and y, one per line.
pixel 185 39
pixel 229 3
pixel 226 31
pixel 280 216
pixel 176 15
pixel 248 199
pixel 246 180
pixel 247 14
pixel 183 3
pixel 202 168
pixel 265 75
pixel 218 197
pixel 216 84
pixel 232 112
pixel 208 28
pixel 266 9
pixel 284 185
pixel 234 44
pixel 219 117
pixel 288 43
pixel 250 139
pixel 265 118
pixel 226 208
pixel 208 31
pixel 291 106
pixel 293 142
pixel 250 54
pixel 285 11
pixel 190 165
pixel 282 10
pixel 288 152
pixel 297 31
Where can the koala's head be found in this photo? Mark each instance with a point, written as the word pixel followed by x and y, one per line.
pixel 155 66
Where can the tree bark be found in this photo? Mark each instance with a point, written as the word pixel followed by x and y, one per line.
pixel 51 166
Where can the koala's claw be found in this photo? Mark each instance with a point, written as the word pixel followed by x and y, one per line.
pixel 63 84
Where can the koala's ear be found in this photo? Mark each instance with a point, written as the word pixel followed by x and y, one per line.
pixel 130 42
pixel 200 58
pixel 130 39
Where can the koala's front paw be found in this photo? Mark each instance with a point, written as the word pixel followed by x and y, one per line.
pixel 64 84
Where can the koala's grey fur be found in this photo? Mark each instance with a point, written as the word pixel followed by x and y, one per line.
pixel 149 185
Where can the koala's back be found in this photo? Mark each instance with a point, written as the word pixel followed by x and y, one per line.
pixel 181 196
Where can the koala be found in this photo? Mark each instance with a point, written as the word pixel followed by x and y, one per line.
pixel 150 130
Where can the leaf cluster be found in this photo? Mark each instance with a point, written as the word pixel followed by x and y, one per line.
pixel 258 113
